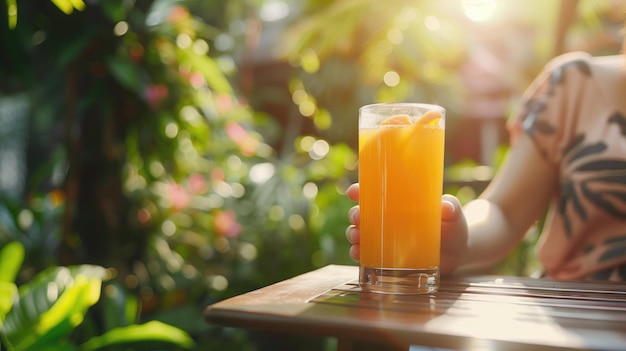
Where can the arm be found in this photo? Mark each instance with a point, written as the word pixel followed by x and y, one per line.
pixel 486 229
pixel 515 199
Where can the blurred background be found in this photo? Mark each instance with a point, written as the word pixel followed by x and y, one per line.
pixel 199 149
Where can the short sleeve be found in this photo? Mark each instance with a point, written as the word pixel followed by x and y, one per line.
pixel 549 109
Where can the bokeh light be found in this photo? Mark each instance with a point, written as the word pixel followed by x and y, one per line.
pixel 479 10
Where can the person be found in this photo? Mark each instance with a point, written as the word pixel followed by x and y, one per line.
pixel 567 161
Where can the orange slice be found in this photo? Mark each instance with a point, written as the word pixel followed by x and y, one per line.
pixel 431 118
pixel 397 120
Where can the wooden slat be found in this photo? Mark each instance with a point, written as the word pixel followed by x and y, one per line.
pixel 503 313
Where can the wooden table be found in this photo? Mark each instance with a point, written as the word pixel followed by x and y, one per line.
pixel 467 313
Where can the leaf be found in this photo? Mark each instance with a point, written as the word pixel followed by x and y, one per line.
pixel 113 10
pixel 68 51
pixel 209 70
pixel 12 13
pixel 11 259
pixel 120 309
pixel 51 305
pixel 615 251
pixel 8 292
pixel 573 144
pixel 601 198
pixel 7 223
pixel 68 6
pixel 589 150
pixel 603 165
pixel 619 119
pixel 151 331
pixel 159 10
pixel 126 73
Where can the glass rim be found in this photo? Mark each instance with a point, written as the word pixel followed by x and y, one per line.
pixel 375 106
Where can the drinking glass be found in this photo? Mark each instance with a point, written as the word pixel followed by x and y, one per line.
pixel 401 154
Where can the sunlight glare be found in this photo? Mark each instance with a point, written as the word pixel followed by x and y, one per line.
pixel 479 10
pixel 262 172
pixel 309 190
pixel 274 11
pixel 306 143
pixel 296 222
pixel 432 23
pixel 307 108
pixel 299 96
pixel 120 28
pixel 395 36
pixel 276 213
pixel 184 41
pixel 391 78
pixel 319 150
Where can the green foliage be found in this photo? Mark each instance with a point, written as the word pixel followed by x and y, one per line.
pixel 146 160
pixel 153 331
pixel 149 155
pixel 48 309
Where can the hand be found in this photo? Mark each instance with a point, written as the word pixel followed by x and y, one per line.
pixel 453 230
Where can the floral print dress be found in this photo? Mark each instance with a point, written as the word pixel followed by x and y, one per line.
pixel 575 113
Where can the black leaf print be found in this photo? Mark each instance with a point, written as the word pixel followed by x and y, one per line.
pixel 622 271
pixel 619 179
pixel 603 165
pixel 569 195
pixel 579 206
pixel 543 127
pixel 616 240
pixel 601 198
pixel 616 249
pixel 602 275
pixel 589 150
pixel 557 77
pixel 577 140
pixel 620 120
pixel 620 195
pixel 532 109
pixel 583 67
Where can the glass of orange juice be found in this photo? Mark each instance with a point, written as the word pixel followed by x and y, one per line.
pixel 401 154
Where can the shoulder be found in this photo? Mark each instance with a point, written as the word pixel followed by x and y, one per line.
pixel 573 62
pixel 570 58
pixel 586 64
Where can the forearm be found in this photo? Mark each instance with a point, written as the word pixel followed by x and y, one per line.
pixel 490 236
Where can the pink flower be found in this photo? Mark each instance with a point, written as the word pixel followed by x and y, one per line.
pixel 196 80
pixel 225 223
pixel 197 184
pixel 224 102
pixel 178 196
pixel 178 13
pixel 218 174
pixel 155 94
pixel 247 144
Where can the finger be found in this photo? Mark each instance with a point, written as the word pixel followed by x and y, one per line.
pixel 354 215
pixel 450 208
pixel 355 252
pixel 353 234
pixel 353 192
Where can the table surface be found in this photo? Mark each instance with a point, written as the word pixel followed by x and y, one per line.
pixel 468 312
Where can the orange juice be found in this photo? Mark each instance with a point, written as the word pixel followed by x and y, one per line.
pixel 401 180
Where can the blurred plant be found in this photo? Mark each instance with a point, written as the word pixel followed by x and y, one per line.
pixel 45 313
pixel 147 161
pixel 356 52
